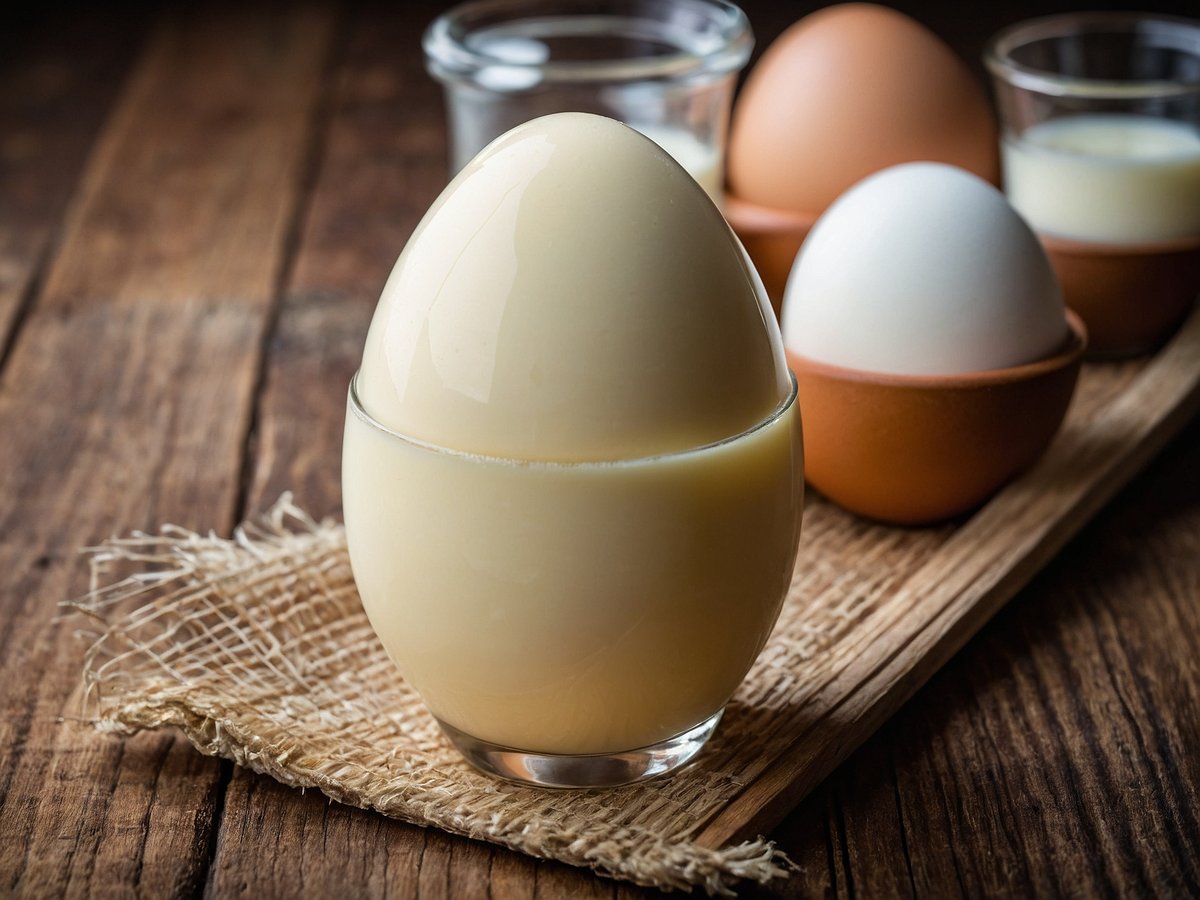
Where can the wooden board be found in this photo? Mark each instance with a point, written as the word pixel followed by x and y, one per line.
pixel 918 595
pixel 862 588
pixel 126 400
pixel 57 82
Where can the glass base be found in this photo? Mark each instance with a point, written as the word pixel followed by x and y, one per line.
pixel 584 770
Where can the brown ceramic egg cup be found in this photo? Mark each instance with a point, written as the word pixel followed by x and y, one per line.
pixel 914 450
pixel 772 237
pixel 1132 298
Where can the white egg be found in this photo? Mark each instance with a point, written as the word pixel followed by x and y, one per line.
pixel 923 269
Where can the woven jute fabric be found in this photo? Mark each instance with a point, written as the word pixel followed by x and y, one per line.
pixel 258 649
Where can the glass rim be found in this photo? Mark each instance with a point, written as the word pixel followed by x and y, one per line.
pixel 357 408
pixel 448 57
pixel 998 59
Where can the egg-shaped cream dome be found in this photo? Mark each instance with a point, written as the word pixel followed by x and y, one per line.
pixel 572 295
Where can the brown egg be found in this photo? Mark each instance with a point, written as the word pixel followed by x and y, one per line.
pixel 847 91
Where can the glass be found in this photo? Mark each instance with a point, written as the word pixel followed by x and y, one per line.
pixel 1101 125
pixel 665 67
pixel 574 624
pixel 1100 148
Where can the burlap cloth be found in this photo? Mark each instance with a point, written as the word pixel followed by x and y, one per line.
pixel 258 650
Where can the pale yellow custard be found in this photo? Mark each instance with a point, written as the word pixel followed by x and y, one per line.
pixel 577 608
pixel 572 467
pixel 1116 179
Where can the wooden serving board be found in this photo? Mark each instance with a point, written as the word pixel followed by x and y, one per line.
pixel 872 612
pixel 875 610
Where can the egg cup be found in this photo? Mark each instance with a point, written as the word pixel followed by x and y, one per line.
pixel 1131 297
pixel 772 238
pixel 919 449
pixel 574 624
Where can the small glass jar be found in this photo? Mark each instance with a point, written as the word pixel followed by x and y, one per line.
pixel 665 67
pixel 1100 116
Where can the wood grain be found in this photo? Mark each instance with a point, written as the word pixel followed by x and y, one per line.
pixel 1053 757
pixel 125 400
pixel 988 769
pixel 961 584
pixel 381 100
pixel 378 99
pixel 57 82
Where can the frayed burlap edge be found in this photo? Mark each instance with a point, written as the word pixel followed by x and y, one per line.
pixel 212 636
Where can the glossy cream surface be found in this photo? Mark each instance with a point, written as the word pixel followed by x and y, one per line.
pixel 573 609
pixel 572 295
pixel 1118 179
pixel 702 161
pixel 573 494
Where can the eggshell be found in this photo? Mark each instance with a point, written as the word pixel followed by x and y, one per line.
pixel 923 269
pixel 573 294
pixel 847 91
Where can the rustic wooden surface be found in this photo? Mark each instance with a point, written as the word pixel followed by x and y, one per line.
pixel 198 207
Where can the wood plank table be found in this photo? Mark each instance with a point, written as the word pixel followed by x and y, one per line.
pixel 198 208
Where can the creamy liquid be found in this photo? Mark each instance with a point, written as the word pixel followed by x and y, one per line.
pixel 583 608
pixel 1107 178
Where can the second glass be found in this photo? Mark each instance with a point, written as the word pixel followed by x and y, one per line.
pixel 1101 154
pixel 665 67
